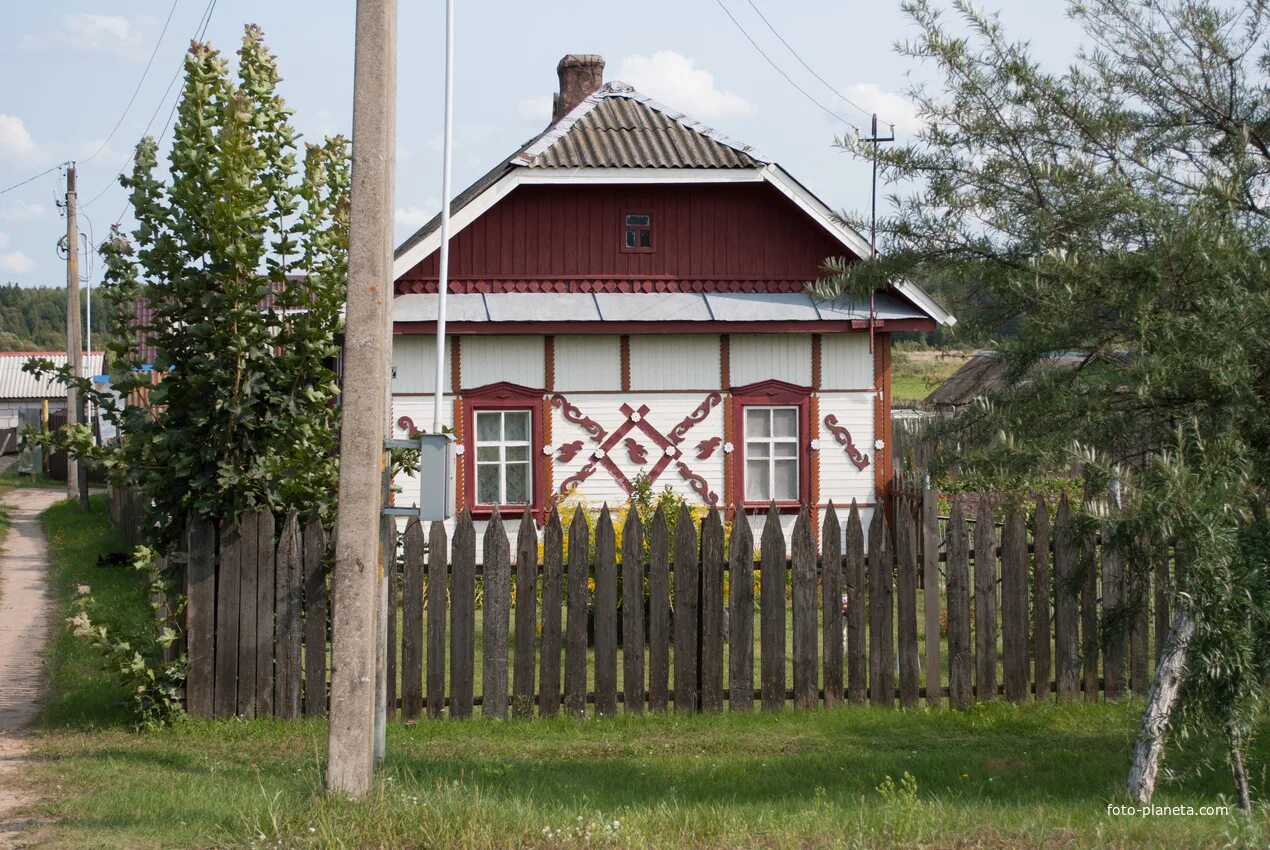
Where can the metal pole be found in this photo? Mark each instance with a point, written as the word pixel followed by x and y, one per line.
pixel 72 326
pixel 443 280
pixel 358 566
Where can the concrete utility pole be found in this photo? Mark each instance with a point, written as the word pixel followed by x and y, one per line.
pixel 73 346
pixel 358 559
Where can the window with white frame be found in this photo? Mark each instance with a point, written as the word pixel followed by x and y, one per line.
pixel 503 475
pixel 771 454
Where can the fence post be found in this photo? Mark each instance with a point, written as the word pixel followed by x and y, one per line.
pixel 633 613
pixel 266 600
pixel 412 621
pixel 552 587
pixel 906 592
pixel 248 523
pixel 985 603
pixel 575 655
pixel 711 635
pixel 857 648
pixel 803 557
pixel 772 612
pixel 960 691
pixel 463 617
pixel 288 619
pixel 1014 604
pixel 200 616
pixel 315 617
pixel 227 587
pixel 1066 623
pixel 881 612
pixel 741 614
pixel 831 606
pixel 931 594
pixel 1089 616
pixel 438 602
pixel 496 609
pixel 1041 597
pixel 526 616
pixel 659 614
pixel 605 615
pixel 687 588
pixel 1112 604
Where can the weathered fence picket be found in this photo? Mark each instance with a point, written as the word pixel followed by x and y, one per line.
pixel 831 597
pixel 526 616
pixel 605 616
pixel 772 612
pixel 495 613
pixel 857 648
pixel 412 622
pixel 681 612
pixel 741 615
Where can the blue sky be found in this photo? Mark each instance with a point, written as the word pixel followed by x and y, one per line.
pixel 70 67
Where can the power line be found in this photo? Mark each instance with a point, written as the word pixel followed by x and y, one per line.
pixel 810 70
pixel 781 71
pixel 158 43
pixel 36 177
pixel 201 31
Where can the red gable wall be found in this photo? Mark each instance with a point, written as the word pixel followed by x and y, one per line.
pixel 727 236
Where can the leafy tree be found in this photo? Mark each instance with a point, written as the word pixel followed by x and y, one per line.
pixel 1120 207
pixel 237 266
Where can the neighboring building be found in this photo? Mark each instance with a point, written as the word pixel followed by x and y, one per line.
pixel 21 391
pixel 985 374
pixel 627 295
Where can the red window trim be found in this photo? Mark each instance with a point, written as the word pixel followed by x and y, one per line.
pixel 769 394
pixel 504 396
pixel 621 236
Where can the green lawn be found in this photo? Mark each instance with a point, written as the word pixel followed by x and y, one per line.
pixel 995 776
pixel 915 374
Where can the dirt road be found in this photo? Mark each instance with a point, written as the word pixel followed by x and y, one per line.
pixel 25 615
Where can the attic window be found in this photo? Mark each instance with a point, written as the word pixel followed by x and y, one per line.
pixel 638 232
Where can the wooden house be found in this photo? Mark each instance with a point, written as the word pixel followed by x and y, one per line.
pixel 626 296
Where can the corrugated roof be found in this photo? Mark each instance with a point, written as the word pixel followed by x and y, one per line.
pixel 643 307
pixel 622 129
pixel 614 127
pixel 14 383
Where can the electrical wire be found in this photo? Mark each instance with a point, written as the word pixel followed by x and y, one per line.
pixel 157 44
pixel 204 21
pixel 810 70
pixel 781 71
pixel 36 177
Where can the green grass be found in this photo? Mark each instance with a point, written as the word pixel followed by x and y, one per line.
pixel 82 694
pixel 915 375
pixel 996 776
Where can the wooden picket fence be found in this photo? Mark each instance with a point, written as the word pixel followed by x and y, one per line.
pixel 959 608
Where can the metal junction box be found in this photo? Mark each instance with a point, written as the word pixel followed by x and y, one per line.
pixel 435 499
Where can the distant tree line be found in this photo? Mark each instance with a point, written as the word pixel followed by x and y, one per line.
pixel 34 319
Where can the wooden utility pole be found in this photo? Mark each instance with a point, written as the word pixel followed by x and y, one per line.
pixel 358 559
pixel 73 356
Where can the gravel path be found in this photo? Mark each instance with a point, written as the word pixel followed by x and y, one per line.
pixel 25 608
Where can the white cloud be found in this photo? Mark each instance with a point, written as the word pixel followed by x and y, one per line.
pixel 23 212
pixel 15 263
pixel 416 217
pixel 677 81
pixel 16 144
pixel 536 109
pixel 891 107
pixel 90 33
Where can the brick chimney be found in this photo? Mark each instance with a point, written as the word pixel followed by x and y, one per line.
pixel 580 75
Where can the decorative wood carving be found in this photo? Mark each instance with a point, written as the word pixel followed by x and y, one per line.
pixel 577 478
pixel 843 436
pixel 698 484
pixel 700 413
pixel 706 448
pixel 636 452
pixel 569 451
pixel 571 414
pixel 407 424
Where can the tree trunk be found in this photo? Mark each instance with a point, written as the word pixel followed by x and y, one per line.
pixel 1149 749
pixel 1237 768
